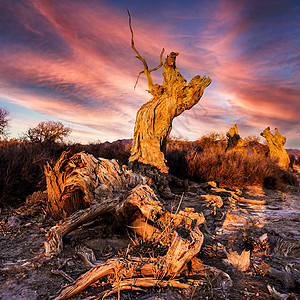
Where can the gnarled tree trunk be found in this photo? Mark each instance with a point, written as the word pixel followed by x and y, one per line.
pixel 276 150
pixel 234 141
pixel 154 119
pixel 75 182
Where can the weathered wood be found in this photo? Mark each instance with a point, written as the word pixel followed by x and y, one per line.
pixel 154 119
pixel 75 182
pixel 234 141
pixel 240 262
pixel 179 231
pixel 276 150
pixel 169 266
pixel 234 197
pixel 54 245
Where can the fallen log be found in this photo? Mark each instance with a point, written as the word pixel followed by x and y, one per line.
pixel 75 182
pixel 132 203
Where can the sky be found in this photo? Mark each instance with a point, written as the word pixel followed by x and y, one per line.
pixel 71 61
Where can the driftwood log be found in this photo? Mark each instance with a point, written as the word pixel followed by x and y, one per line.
pixel 276 150
pixel 154 119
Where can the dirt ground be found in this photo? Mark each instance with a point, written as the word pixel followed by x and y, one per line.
pixel 25 273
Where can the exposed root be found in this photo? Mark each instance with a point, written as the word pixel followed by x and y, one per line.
pixel 87 255
pixel 63 274
pixel 238 198
pixel 142 212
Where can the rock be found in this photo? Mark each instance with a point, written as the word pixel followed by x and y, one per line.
pixel 13 222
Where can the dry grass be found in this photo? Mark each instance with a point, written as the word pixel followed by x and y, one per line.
pixel 22 173
pixel 237 170
pixel 22 165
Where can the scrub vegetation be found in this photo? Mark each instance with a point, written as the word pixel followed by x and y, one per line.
pixel 22 163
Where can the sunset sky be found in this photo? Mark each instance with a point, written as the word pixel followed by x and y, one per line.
pixel 71 61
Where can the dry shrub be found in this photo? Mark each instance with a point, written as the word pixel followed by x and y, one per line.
pixel 212 140
pixel 176 156
pixel 254 142
pixel 21 170
pixel 236 169
pixel 22 164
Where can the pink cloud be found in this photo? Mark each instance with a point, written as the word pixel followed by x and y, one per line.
pixel 91 81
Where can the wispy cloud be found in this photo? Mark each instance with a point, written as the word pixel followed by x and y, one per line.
pixel 72 60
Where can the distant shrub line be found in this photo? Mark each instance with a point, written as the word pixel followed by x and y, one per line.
pixel 22 164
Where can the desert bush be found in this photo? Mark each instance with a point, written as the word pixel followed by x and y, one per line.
pixel 21 170
pixel 119 150
pixel 3 121
pixel 254 142
pixel 22 164
pixel 47 132
pixel 212 140
pixel 237 170
pixel 177 150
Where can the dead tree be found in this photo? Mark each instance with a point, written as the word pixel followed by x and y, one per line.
pixel 234 141
pixel 75 182
pixel 82 188
pixel 108 188
pixel 276 150
pixel 154 119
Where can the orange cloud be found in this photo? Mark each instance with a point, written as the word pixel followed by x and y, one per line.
pixel 77 65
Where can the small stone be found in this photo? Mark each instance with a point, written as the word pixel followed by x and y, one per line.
pixel 70 263
pixel 263 238
pixel 13 222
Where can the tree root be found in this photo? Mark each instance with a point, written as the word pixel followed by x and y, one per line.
pixel 144 214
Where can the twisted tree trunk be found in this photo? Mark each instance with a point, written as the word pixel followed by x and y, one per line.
pixel 276 150
pixel 234 141
pixel 154 119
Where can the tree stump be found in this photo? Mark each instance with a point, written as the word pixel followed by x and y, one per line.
pixel 276 150
pixel 75 182
pixel 234 141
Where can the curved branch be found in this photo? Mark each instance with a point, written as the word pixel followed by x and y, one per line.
pixel 138 56
pixel 154 69
pixel 160 61
pixel 132 44
pixel 138 79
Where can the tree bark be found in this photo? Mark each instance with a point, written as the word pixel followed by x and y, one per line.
pixel 276 150
pixel 75 182
pixel 234 141
pixel 154 119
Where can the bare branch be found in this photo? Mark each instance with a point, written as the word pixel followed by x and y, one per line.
pixel 160 61
pixel 146 69
pixel 138 78
pixel 132 44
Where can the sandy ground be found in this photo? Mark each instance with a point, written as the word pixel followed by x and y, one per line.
pixel 26 274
